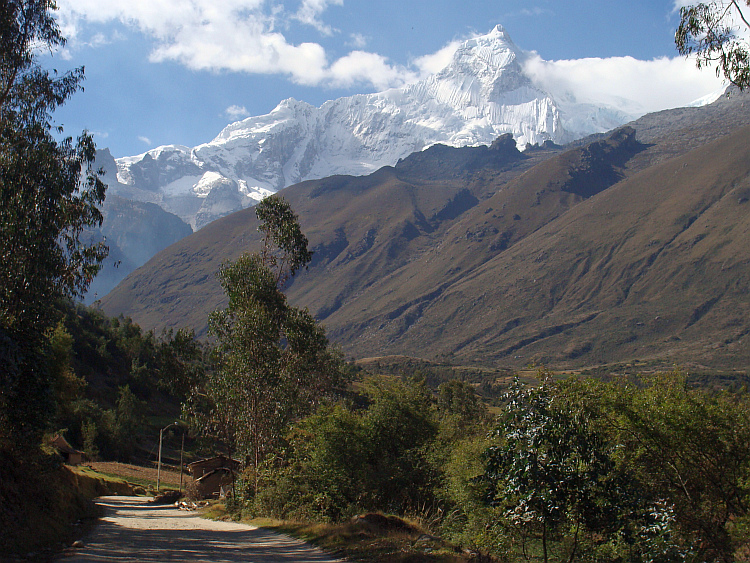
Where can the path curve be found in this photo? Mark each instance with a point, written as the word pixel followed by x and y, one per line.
pixel 134 530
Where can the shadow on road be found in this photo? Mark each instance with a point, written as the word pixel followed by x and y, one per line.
pixel 133 530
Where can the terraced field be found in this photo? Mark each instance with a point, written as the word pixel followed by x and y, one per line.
pixel 137 474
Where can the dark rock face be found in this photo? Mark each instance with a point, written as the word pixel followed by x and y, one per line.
pixel 441 161
pixel 223 199
pixel 152 173
pixel 597 166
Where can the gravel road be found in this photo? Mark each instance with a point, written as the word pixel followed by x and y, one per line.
pixel 134 530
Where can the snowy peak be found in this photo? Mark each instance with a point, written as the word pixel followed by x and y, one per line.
pixel 485 56
pixel 480 95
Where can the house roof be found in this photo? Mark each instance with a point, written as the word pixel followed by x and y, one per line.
pixel 213 460
pixel 62 445
pixel 205 477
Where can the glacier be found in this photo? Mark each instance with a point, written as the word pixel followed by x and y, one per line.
pixel 481 94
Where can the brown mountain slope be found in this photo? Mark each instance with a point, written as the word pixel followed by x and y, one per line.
pixel 603 253
pixel 361 228
pixel 657 266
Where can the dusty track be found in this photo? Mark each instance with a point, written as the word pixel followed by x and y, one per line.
pixel 133 530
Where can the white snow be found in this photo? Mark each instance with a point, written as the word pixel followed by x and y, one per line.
pixel 709 98
pixel 481 94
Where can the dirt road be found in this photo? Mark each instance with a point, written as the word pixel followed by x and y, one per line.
pixel 133 530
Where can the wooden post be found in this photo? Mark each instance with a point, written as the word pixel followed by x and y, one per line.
pixel 158 465
pixel 182 449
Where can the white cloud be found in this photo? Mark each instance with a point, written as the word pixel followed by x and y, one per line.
pixel 309 13
pixel 632 85
pixel 236 112
pixel 357 40
pixel 248 36
pixel 361 67
pixel 145 140
pixel 236 36
pixel 533 12
pixel 435 62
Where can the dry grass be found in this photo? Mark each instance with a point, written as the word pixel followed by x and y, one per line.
pixel 138 474
pixel 364 542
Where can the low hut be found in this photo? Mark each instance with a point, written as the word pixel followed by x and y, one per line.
pixel 214 477
pixel 70 455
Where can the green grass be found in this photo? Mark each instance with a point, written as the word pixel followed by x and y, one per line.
pixel 145 483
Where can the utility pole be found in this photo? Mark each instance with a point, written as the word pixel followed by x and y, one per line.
pixel 158 467
pixel 182 449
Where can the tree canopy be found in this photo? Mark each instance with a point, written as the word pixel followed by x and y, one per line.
pixel 273 361
pixel 716 32
pixel 49 194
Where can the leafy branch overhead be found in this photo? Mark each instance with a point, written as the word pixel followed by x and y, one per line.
pixel 716 32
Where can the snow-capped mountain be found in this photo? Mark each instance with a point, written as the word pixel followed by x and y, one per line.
pixel 482 94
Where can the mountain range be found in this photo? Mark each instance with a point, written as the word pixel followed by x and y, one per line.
pixel 481 94
pixel 620 246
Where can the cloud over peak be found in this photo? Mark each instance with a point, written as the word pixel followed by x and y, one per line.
pixel 251 36
pixel 237 36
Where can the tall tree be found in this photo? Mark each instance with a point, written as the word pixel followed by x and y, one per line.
pixel 716 32
pixel 273 360
pixel 49 194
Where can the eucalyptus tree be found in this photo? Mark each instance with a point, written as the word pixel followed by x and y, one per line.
pixel 273 360
pixel 717 32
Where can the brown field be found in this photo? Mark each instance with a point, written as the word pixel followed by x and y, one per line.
pixel 128 471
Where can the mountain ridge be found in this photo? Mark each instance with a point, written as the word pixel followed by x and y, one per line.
pixel 499 263
pixel 481 94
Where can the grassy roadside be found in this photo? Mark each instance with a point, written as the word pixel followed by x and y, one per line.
pixel 368 539
pixel 94 484
pixel 44 505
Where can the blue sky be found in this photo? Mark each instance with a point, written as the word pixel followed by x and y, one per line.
pixel 177 71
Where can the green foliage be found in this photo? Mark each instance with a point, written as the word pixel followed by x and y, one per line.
pixel 692 449
pixel 648 471
pixel 273 361
pixel 554 473
pixel 340 460
pixel 576 469
pixel 49 193
pixel 284 246
pixel 461 410
pixel 713 32
pixel 108 376
pixel 182 362
pixel 468 520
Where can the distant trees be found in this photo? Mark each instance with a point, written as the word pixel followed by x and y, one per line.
pixel 49 193
pixel 273 361
pixel 716 32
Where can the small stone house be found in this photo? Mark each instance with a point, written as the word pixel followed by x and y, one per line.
pixel 70 455
pixel 214 477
